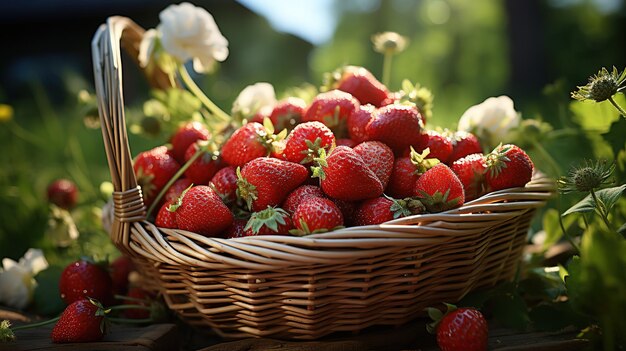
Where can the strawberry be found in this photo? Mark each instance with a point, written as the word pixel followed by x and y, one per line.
pixel 300 193
pixel 439 189
pixel 406 171
pixel 508 166
pixel 260 115
pixel 270 221
pixel 348 210
pixel 251 141
pixel 316 215
pixel 398 126
pixel 119 270
pixel 236 230
pixel 84 278
pixel 176 189
pixel 471 171
pixel 383 209
pixel 186 135
pixel 135 294
pixel 346 142
pixel 267 181
pixel 166 218
pixel 305 140
pixel 332 108
pixel 378 157
pixel 460 329
pixel 154 168
pixel 359 82
pixel 345 176
pixel 81 321
pixel 201 210
pixel 63 193
pixel 287 113
pixel 204 167
pixel 439 144
pixel 224 182
pixel 463 144
pixel 357 122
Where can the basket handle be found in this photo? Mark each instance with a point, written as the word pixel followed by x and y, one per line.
pixel 119 32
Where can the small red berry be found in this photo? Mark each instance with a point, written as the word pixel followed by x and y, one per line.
pixel 63 193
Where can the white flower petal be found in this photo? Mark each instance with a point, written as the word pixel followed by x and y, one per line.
pixel 254 97
pixel 146 47
pixel 491 120
pixel 34 261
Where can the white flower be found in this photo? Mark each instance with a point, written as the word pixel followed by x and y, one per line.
pixel 61 227
pixel 17 282
pixel 491 120
pixel 186 32
pixel 252 98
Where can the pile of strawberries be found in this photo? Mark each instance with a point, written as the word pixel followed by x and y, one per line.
pixel 356 155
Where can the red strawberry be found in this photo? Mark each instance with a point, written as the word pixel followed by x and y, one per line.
pixel 176 189
pixel 135 294
pixel 186 135
pixel 316 214
pixel 348 209
pixel 263 113
pixel 267 181
pixel 63 193
pixel 471 171
pixel 270 221
pixel 154 168
pixel 439 189
pixel 508 166
pixel 251 141
pixel 81 321
pixel 345 176
pixel 359 82
pixel 463 144
pixel 201 210
pixel 166 218
pixel 332 108
pixel 462 329
pixel 406 171
pixel 300 193
pixel 439 144
pixel 287 113
pixel 224 182
pixel 119 270
pixel 357 122
pixel 236 230
pixel 82 279
pixel 204 167
pixel 346 142
pixel 398 126
pixel 382 209
pixel 305 141
pixel 394 98
pixel 378 157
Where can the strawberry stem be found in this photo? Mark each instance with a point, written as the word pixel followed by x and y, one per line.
pixel 38 324
pixel 210 105
pixel 129 307
pixel 129 321
pixel 387 68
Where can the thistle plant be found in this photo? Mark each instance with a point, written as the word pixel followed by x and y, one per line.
pixel 602 86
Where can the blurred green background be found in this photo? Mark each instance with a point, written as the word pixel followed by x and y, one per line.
pixel 536 52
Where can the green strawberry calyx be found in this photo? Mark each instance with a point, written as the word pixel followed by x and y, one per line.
pixel 267 137
pixel 179 201
pixel 405 207
pixel 271 217
pixel 321 163
pixel 313 150
pixel 438 201
pixel 497 160
pixel 422 164
pixel 437 315
pixel 246 191
pixel 419 96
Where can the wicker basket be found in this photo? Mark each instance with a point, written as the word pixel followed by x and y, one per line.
pixel 306 287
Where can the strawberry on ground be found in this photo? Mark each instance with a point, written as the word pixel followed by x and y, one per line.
pixel 119 270
pixel 345 176
pixel 406 171
pixel 378 157
pixel 305 140
pixel 463 144
pixel 186 135
pixel 357 122
pixel 332 108
pixel 398 126
pixel 298 194
pixel 459 329
pixel 201 210
pixel 471 171
pixel 81 321
pixel 440 145
pixel 224 182
pixel 166 218
pixel 267 181
pixel 204 167
pixel 383 209
pixel 84 278
pixel 270 221
pixel 439 189
pixel 154 168
pixel 251 141
pixel 316 215
pixel 359 82
pixel 63 193
pixel 508 166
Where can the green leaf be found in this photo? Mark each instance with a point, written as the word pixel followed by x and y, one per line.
pixel 615 135
pixel 594 116
pixel 585 205
pixel 609 196
pixel 47 299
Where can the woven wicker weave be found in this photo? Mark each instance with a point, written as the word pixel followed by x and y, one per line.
pixel 306 287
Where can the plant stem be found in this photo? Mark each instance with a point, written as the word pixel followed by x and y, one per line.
pixel 191 85
pixel 618 107
pixel 180 172
pixel 567 236
pixel 127 307
pixel 387 68
pixel 128 320
pixel 34 325
pixel 547 157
